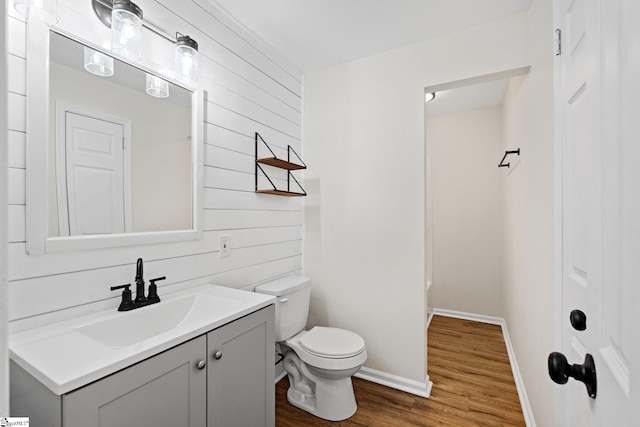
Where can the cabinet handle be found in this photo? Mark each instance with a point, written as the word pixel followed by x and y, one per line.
pixel 217 355
pixel 201 364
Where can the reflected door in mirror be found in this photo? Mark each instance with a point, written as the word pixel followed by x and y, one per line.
pixel 92 179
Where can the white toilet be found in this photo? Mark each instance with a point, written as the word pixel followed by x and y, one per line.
pixel 319 362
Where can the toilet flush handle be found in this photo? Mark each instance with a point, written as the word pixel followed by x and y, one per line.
pixel 285 299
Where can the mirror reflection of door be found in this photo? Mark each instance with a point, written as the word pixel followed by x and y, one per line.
pixel 94 180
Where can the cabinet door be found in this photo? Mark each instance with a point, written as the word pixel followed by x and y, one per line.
pixel 166 390
pixel 240 372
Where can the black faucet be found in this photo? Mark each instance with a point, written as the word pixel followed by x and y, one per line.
pixel 126 304
pixel 140 298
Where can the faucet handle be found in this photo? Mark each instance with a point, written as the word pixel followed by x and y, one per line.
pixel 126 304
pixel 153 290
pixel 157 279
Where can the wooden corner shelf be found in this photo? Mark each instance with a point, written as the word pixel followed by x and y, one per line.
pixel 280 164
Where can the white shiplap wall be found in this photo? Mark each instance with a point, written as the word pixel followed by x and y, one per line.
pixel 248 89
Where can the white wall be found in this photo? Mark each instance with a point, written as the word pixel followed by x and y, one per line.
pixel 4 353
pixel 528 216
pixel 465 149
pixel 364 219
pixel 249 89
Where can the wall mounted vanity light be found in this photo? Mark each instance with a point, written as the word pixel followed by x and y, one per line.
pixel 186 60
pixel 125 20
pixel 47 10
pixel 97 62
pixel 126 29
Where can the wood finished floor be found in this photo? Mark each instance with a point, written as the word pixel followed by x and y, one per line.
pixel 472 386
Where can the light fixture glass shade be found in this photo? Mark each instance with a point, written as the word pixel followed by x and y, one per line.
pixel 97 62
pixel 429 96
pixel 187 61
pixel 157 87
pixel 47 10
pixel 126 29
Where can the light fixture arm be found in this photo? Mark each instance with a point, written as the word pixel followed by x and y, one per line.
pixel 102 9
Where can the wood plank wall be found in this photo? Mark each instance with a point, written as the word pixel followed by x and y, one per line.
pixel 249 88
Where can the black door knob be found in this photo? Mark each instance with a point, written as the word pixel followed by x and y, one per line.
pixel 578 320
pixel 560 370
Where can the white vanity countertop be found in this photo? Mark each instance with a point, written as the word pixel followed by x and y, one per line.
pixel 64 358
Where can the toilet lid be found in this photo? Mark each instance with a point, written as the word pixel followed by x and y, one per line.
pixel 332 342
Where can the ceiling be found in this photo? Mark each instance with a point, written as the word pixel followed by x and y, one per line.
pixel 467 98
pixel 314 34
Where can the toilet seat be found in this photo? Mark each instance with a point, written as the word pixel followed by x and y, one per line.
pixel 323 361
pixel 332 343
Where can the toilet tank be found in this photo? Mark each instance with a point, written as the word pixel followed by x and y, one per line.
pixel 292 306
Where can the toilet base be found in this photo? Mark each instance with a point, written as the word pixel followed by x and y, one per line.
pixel 334 400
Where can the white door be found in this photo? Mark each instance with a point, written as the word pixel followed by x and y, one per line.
pixel 93 176
pixel 599 93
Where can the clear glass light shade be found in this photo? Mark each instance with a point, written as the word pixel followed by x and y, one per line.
pixel 126 30
pixel 186 65
pixel 47 10
pixel 98 63
pixel 157 87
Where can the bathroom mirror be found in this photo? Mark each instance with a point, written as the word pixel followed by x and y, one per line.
pixel 108 164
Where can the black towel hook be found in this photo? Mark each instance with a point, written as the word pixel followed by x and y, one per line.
pixel 506 153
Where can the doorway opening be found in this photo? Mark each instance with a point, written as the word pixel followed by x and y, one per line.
pixel 463 146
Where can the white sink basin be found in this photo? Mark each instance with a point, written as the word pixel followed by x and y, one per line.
pixel 135 326
pixel 77 351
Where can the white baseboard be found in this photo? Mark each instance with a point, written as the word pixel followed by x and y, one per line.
pixel 389 380
pixel 396 382
pixel 469 316
pixel 522 392
pixel 280 376
pixel 429 318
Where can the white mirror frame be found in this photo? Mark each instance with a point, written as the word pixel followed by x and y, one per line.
pixel 38 241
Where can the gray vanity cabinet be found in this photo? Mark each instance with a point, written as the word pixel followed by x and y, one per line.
pixel 221 379
pixel 167 389
pixel 241 383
